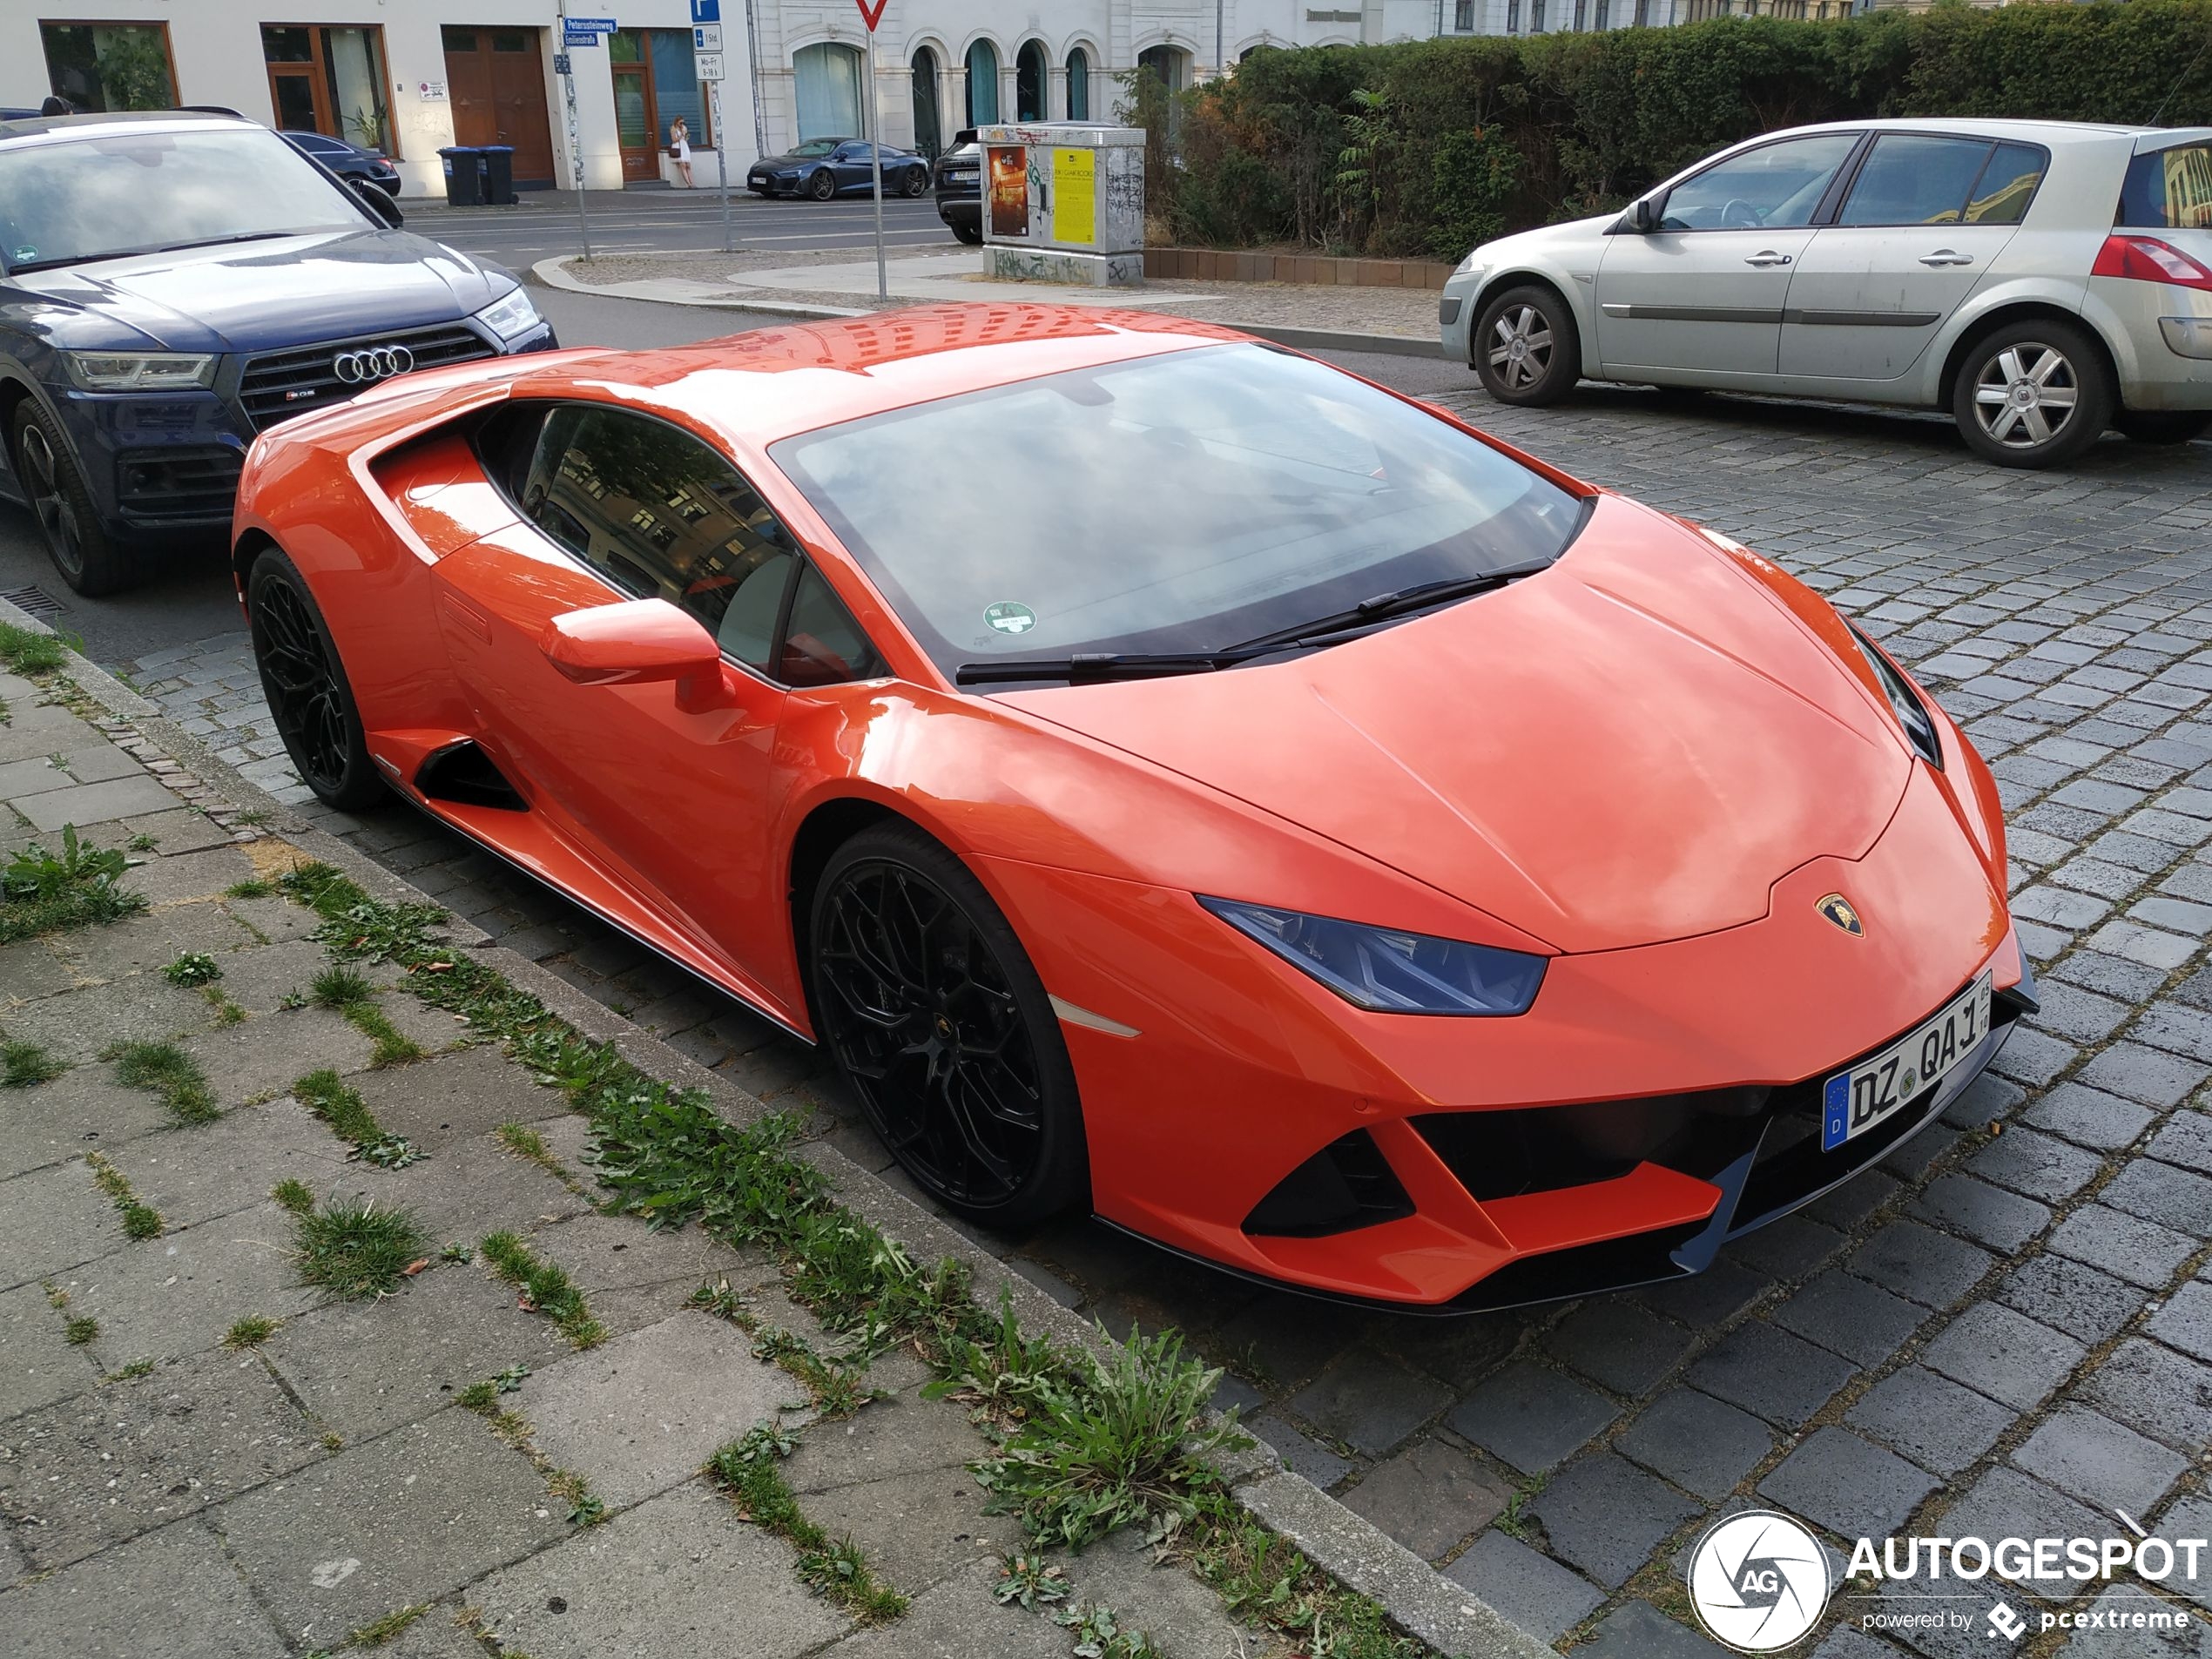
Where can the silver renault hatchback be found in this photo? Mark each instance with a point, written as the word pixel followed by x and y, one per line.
pixel 2042 280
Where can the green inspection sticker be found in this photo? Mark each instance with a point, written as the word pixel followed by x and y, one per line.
pixel 1010 619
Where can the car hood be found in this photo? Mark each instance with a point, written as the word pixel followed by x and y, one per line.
pixel 1631 746
pixel 254 296
pixel 1544 239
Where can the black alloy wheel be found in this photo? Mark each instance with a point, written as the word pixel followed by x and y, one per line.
pixel 89 559
pixel 821 187
pixel 929 1004
pixel 305 687
pixel 916 182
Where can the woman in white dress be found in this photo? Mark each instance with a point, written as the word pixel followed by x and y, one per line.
pixel 679 149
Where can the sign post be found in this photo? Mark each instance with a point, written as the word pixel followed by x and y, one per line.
pixel 565 68
pixel 872 16
pixel 707 50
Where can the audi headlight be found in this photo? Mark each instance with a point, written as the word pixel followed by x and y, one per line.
pixel 1911 712
pixel 511 316
pixel 1387 971
pixel 161 371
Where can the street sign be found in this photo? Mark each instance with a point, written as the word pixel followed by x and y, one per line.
pixel 706 10
pixel 710 66
pixel 707 37
pixel 560 62
pixel 592 25
pixel 574 36
pixel 871 15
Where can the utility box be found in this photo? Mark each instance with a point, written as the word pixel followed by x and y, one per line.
pixel 1063 202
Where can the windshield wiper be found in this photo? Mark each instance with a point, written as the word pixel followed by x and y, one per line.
pixel 218 241
pixel 1399 602
pixel 29 266
pixel 1131 665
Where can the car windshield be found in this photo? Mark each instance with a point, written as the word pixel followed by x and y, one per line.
pixel 142 192
pixel 816 148
pixel 1185 502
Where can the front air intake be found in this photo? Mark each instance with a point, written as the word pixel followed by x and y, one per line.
pixel 1347 1184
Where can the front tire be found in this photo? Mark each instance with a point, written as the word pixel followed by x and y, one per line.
pixel 916 182
pixel 971 234
pixel 821 187
pixel 2034 394
pixel 306 685
pixel 943 1030
pixel 2162 426
pixel 1525 347
pixel 88 558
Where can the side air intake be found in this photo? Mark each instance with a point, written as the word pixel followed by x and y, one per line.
pixel 462 774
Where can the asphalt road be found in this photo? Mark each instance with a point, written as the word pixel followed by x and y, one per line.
pixel 190 598
pixel 543 223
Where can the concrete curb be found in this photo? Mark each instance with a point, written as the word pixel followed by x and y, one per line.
pixel 552 274
pixel 1347 1545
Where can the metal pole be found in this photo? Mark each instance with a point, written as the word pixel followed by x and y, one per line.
pixel 1220 5
pixel 875 167
pixel 721 159
pixel 575 141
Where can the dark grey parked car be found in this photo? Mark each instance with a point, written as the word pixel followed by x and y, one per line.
pixel 959 186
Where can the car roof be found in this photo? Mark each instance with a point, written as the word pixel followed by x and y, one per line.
pixel 51 127
pixel 2044 132
pixel 802 376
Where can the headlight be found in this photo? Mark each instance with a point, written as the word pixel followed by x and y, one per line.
pixel 166 371
pixel 1389 972
pixel 1912 713
pixel 511 317
pixel 1474 261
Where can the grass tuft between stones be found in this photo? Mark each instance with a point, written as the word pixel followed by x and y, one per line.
pixel 30 652
pixel 24 1064
pixel 356 1249
pixel 139 1220
pixel 44 893
pixel 166 1070
pixel 833 1567
pixel 546 1288
pixel 251 1332
pixel 293 1196
pixel 326 1095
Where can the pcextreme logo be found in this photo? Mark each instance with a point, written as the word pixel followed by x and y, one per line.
pixel 1758 1582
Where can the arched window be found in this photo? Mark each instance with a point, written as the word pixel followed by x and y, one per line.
pixel 983 84
pixel 1029 82
pixel 1078 85
pixel 929 127
pixel 828 84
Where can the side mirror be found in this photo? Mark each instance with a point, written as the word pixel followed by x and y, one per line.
pixel 1643 215
pixel 635 642
pixel 382 207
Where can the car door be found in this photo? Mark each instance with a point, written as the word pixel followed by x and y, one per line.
pixel 1924 220
pixel 851 165
pixel 676 804
pixel 1705 291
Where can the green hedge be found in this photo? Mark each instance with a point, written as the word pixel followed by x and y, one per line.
pixel 1429 147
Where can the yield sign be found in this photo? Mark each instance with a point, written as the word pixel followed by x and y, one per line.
pixel 871 15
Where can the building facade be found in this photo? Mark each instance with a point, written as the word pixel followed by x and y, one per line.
pixel 410 77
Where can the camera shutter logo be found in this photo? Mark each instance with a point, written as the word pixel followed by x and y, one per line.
pixel 1758 1582
pixel 372 363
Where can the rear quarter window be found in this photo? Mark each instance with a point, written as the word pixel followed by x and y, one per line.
pixel 2169 190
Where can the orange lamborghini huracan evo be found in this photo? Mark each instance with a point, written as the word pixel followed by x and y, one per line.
pixel 1171 775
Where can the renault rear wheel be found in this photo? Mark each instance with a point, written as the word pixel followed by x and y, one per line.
pixel 940 1027
pixel 2034 394
pixel 1526 348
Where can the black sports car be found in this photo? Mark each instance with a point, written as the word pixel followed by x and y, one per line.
pixel 823 168
pixel 959 186
pixel 349 161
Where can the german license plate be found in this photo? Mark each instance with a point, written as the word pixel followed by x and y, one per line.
pixel 961 176
pixel 1855 1101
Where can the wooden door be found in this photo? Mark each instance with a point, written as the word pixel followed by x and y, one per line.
pixel 637 114
pixel 497 79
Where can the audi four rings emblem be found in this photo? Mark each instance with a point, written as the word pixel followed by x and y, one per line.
pixel 373 363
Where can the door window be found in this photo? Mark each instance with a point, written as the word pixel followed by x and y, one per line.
pixel 1910 178
pixel 663 516
pixel 1777 186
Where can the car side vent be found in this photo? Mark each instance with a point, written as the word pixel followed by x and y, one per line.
pixel 1347 1184
pixel 464 774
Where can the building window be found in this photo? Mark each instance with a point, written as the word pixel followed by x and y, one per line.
pixel 929 127
pixel 1581 14
pixel 329 80
pixel 828 78
pixel 1604 14
pixel 1029 76
pixel 1512 17
pixel 982 84
pixel 1463 16
pixel 1643 14
pixel 101 66
pixel 1078 85
pixel 1535 17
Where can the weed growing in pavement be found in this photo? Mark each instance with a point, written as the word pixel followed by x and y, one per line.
pixel 325 1094
pixel 356 1249
pixel 1003 1377
pixel 168 1071
pixel 834 1568
pixel 340 989
pixel 251 1332
pixel 378 1632
pixel 142 842
pixel 137 1368
pixel 293 1196
pixel 1030 1579
pixel 333 1442
pixel 27 652
pixel 477 1397
pixel 526 1143
pixel 460 1253
pixel 546 1289
pixel 837 1386
pixel 139 1220
pixel 664 1155
pixel 586 1508
pixel 347 993
pixel 1263 1579
pixel 78 1331
pixel 1099 1635
pixel 194 968
pixel 253 887
pixel 23 1064
pixel 43 893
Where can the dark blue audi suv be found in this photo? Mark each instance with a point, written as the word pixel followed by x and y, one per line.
pixel 172 283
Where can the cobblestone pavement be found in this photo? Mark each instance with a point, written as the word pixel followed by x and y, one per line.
pixel 1993 1333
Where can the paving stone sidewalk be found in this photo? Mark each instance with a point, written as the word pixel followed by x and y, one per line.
pixel 2010 1331
pixel 173 1482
